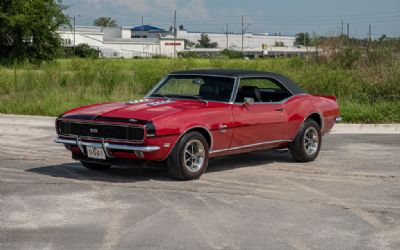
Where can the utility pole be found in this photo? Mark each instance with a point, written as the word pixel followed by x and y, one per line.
pixel 141 29
pixel 141 36
pixel 348 33
pixel 74 35
pixel 242 35
pixel 369 33
pixel 174 34
pixel 341 34
pixel 227 36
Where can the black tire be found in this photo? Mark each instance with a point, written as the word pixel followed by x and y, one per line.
pixel 304 149
pixel 95 166
pixel 178 168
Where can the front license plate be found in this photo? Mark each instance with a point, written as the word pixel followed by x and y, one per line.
pixel 95 153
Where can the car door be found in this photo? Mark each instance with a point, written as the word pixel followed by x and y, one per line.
pixel 265 120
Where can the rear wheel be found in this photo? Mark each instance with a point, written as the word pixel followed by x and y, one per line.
pixel 95 166
pixel 189 158
pixel 307 143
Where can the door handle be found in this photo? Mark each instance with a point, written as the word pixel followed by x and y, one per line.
pixel 279 109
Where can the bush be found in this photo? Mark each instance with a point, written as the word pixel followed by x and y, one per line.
pixel 366 92
pixel 347 57
pixel 232 53
pixel 82 51
pixel 188 54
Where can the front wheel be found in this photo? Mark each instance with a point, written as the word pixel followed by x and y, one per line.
pixel 307 143
pixel 189 158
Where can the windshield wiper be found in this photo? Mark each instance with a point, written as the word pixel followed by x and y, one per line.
pixel 164 96
pixel 194 97
pixel 200 99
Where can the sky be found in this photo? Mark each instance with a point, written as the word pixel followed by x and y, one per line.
pixel 290 17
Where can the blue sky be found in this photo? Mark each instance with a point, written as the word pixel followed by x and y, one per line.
pixel 284 16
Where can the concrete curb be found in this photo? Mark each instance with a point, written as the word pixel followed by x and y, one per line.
pixel 347 128
pixel 341 128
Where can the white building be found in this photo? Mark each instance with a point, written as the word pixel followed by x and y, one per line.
pixel 149 41
pixel 122 42
pixel 234 40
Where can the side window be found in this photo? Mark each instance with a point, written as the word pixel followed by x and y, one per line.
pixel 261 90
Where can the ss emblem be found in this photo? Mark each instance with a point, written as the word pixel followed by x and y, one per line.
pixel 93 130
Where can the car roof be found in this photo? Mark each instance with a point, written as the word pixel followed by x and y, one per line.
pixel 287 82
pixel 223 72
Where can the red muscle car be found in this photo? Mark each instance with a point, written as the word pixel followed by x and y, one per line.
pixel 191 116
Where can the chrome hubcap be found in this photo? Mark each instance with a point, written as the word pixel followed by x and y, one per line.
pixel 194 155
pixel 311 141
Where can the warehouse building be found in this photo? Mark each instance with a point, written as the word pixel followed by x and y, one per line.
pixel 123 42
pixel 150 41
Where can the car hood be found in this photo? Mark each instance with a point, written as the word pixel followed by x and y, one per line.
pixel 139 110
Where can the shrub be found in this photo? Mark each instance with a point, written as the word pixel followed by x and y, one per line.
pixel 232 53
pixel 82 51
pixel 188 54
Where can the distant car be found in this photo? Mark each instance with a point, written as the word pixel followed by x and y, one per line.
pixel 191 116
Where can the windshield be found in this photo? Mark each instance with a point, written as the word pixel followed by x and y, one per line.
pixel 209 88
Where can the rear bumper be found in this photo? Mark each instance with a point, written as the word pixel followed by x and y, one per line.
pixel 108 147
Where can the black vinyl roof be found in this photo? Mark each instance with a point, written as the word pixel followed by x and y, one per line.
pixel 287 82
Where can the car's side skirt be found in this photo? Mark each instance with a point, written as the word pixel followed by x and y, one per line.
pixel 249 146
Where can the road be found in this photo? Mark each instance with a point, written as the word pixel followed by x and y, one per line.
pixel 349 198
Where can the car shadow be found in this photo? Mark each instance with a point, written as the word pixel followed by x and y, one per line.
pixel 249 160
pixel 147 171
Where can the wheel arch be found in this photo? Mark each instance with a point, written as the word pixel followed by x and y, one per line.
pixel 202 130
pixel 316 116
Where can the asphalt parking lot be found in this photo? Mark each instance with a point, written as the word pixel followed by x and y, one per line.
pixel 349 198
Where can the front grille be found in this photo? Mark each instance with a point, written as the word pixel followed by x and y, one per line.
pixel 101 131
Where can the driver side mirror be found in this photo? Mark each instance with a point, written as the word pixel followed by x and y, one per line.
pixel 248 100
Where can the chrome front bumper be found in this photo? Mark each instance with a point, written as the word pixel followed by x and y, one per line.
pixel 106 146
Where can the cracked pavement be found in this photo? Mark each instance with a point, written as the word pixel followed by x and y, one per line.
pixel 349 198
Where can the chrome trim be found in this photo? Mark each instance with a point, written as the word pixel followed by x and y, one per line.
pixel 79 143
pixel 106 150
pixel 261 77
pixel 148 95
pixel 305 118
pixel 235 90
pixel 265 77
pixel 99 123
pixel 187 130
pixel 105 145
pixel 280 102
pixel 106 124
pixel 249 146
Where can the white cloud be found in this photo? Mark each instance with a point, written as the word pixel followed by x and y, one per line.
pixel 193 8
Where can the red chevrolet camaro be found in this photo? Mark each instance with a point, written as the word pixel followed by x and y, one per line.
pixel 191 116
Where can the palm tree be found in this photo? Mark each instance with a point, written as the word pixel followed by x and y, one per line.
pixel 105 22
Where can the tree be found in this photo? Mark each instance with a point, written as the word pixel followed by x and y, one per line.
pixel 205 42
pixel 181 27
pixel 279 44
pixel 303 39
pixel 28 29
pixel 105 22
pixel 189 44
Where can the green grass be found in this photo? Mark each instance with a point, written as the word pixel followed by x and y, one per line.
pixel 365 93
